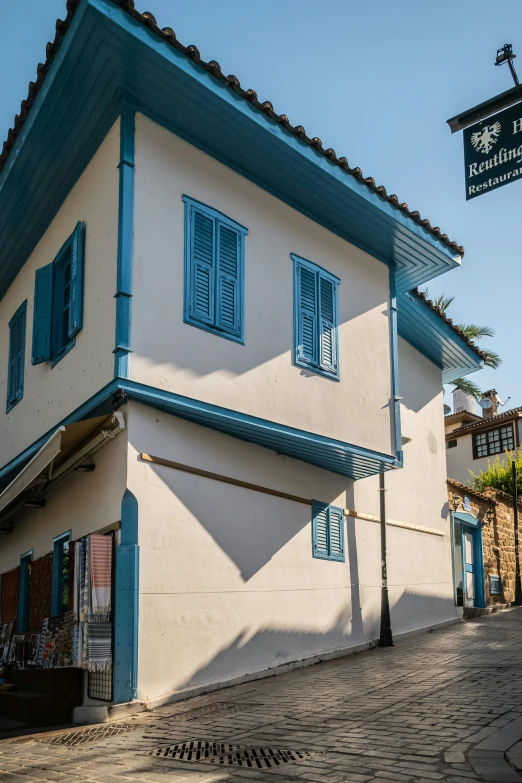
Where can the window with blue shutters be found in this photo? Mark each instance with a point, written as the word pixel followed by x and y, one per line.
pixel 327 531
pixel 214 271
pixel 15 368
pixel 316 341
pixel 58 301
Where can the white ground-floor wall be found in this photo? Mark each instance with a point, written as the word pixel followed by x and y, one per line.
pixel 228 583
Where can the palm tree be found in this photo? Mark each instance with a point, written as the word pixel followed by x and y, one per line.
pixel 472 332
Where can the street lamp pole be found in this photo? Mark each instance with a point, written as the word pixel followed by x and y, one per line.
pixel 386 637
pixel 518 585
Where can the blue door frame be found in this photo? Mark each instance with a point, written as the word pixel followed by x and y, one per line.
pixel 469 524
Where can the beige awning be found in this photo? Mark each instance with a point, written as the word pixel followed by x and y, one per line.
pixel 68 447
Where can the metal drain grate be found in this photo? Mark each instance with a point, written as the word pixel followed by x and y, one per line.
pixel 102 732
pixel 229 755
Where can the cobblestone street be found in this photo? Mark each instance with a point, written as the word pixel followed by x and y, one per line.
pixel 445 706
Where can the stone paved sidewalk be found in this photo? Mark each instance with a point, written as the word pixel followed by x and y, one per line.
pixel 445 706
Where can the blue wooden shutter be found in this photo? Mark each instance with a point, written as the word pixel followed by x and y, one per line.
pixel 306 315
pixel 43 300
pixel 228 271
pixel 320 530
pixel 202 266
pixel 76 300
pixel 336 533
pixel 328 324
pixel 15 377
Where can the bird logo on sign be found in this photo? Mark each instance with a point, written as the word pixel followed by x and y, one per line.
pixel 484 139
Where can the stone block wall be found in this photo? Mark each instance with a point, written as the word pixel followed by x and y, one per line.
pixel 498 537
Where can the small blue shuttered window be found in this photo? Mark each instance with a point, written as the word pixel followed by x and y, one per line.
pixel 58 301
pixel 327 531
pixel 214 271
pixel 316 341
pixel 15 371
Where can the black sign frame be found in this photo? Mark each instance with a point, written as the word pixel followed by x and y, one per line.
pixel 493 151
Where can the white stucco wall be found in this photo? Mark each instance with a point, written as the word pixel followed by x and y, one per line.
pixel 82 503
pixel 256 378
pixel 228 584
pixel 460 460
pixel 50 394
pixel 419 565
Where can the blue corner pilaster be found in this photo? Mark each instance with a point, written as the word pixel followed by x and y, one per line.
pixel 127 604
pixel 125 243
pixel 394 351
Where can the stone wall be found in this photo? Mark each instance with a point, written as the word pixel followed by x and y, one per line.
pixel 498 537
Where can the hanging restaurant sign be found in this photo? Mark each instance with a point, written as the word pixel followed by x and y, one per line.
pixel 493 151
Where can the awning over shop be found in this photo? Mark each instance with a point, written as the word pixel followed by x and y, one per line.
pixel 68 449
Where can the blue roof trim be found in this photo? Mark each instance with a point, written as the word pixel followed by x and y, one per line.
pixel 108 58
pixel 355 462
pixel 435 339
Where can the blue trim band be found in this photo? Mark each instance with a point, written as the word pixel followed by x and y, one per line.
pixel 127 604
pixel 337 456
pixel 125 243
pixel 344 458
pixel 394 357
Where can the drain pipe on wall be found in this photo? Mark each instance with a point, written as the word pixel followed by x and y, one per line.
pixel 385 638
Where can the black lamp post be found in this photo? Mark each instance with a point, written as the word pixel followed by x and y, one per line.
pixel 518 585
pixel 386 637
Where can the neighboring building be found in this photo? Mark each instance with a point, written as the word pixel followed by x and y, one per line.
pixel 484 546
pixel 474 441
pixel 483 549
pixel 204 316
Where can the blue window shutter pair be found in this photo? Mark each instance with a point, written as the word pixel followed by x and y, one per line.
pixel 327 531
pixel 45 302
pixel 214 263
pixel 15 372
pixel 315 318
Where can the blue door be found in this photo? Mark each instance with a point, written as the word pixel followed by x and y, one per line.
pixel 468 560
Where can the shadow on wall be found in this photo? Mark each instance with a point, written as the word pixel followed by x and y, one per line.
pixel 276 647
pixel 246 525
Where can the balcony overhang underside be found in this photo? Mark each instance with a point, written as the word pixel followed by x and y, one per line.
pixel 355 462
pixel 106 58
pixel 68 447
pixel 434 338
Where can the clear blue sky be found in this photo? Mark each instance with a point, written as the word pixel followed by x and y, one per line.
pixel 376 81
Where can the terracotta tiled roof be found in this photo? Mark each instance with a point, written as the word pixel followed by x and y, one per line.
pixel 444 317
pixel 232 82
pixel 482 495
pixel 514 413
pixel 472 492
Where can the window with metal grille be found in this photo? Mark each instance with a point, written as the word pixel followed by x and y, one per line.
pixel 494 441
pixel 316 342
pixel 451 444
pixel 99 685
pixel 214 271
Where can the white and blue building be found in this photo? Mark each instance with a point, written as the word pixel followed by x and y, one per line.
pixel 175 251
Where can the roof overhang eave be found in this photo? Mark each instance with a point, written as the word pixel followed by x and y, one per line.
pixel 108 57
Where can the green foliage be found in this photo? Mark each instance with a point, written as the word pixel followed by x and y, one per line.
pixel 468 387
pixel 499 475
